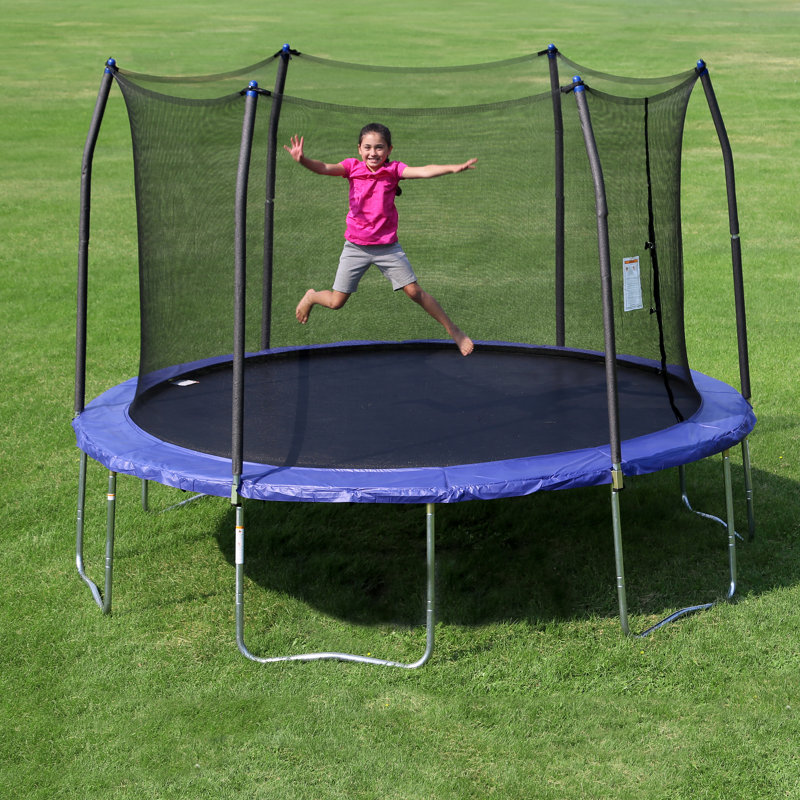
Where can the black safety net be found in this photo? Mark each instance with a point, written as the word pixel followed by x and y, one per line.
pixel 483 242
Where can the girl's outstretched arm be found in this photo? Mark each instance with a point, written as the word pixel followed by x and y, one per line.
pixel 435 170
pixel 320 167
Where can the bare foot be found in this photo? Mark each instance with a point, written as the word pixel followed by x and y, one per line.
pixel 465 344
pixel 304 307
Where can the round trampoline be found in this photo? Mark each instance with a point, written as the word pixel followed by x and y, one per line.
pixel 565 266
pixel 407 423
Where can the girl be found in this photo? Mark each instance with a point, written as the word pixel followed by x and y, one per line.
pixel 371 232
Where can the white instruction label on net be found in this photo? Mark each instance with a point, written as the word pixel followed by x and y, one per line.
pixel 632 283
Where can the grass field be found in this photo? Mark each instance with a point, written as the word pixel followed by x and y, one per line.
pixel 532 692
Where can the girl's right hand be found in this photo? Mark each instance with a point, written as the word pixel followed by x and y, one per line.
pixel 296 150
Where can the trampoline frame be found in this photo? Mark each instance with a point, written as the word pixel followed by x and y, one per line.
pixel 104 598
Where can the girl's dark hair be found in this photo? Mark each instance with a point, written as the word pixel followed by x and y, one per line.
pixel 381 130
pixel 376 127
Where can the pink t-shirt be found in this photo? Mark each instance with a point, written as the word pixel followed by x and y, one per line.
pixel 373 217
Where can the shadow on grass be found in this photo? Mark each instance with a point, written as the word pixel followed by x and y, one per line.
pixel 540 558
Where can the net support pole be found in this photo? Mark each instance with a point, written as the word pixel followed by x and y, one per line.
pixel 738 280
pixel 103 600
pixel 733 219
pixel 612 396
pixel 269 208
pixel 240 285
pixel 558 129
pixel 605 274
pixel 83 234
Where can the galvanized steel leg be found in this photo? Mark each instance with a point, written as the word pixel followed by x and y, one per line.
pixel 617 530
pixel 712 517
pixel 729 525
pixel 726 467
pixel 430 616
pixel 111 506
pixel 748 488
pixel 146 498
pixel 102 600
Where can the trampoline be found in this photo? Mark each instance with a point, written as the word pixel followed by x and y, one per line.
pixel 410 420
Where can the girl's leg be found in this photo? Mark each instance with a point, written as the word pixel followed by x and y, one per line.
pixel 328 298
pixel 431 305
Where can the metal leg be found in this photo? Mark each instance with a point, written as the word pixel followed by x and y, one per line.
pixel 726 467
pixel 617 530
pixel 102 600
pixel 184 502
pixel 111 506
pixel 729 525
pixel 146 497
pixel 748 488
pixel 685 498
pixel 430 618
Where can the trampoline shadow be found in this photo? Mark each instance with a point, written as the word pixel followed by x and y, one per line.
pixel 543 558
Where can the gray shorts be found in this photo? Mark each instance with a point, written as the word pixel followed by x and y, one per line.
pixel 357 258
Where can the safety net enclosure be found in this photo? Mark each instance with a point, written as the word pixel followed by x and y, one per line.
pixel 560 254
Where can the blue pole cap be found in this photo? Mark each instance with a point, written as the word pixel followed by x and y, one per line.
pixel 111 64
pixel 251 88
pixel 286 48
pixel 578 81
pixel 551 51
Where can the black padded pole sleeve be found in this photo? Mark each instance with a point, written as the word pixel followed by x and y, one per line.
pixel 240 279
pixel 605 274
pixel 558 128
pixel 733 217
pixel 269 210
pixel 83 235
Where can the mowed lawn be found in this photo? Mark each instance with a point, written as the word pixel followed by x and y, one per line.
pixel 532 691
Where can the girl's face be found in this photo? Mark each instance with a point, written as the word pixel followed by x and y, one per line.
pixel 373 150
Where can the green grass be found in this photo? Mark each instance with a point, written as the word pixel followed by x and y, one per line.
pixel 532 692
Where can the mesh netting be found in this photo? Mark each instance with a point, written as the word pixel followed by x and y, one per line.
pixel 482 242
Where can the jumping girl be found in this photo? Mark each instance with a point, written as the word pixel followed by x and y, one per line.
pixel 371 232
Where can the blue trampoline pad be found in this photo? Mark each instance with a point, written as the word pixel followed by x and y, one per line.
pixel 408 422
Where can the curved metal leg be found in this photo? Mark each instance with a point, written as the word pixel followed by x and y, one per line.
pixel 623 607
pixel 748 487
pixel 332 656
pixel 102 600
pixel 685 498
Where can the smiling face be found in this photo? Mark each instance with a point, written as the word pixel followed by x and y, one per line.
pixel 373 150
